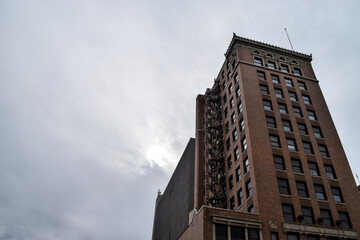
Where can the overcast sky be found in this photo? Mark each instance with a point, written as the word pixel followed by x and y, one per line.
pixel 97 100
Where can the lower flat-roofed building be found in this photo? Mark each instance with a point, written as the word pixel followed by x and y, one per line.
pixel 266 162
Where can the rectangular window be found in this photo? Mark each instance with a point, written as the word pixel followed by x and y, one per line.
pixel 272 65
pixel 264 89
pixel 302 85
pixel 230 88
pixel 233 118
pixel 313 169
pixel 345 220
pixel 302 129
pixel 231 182
pixel 237 154
pixel 291 144
pixel 240 108
pixel 297 112
pixel 229 162
pixel 312 115
pixel 297 71
pixel 302 189
pixel 235 135
pixel 308 215
pixel 229 75
pixel 248 189
pixel 271 122
pixel 274 141
pixel 242 125
pixel 253 234
pixel 251 209
pixel 320 192
pixel 313 237
pixel 279 162
pixel 267 105
pixel 279 93
pixel 306 99
pixel 227 128
pixel 308 148
pixel 232 102
pixel 226 112
pixel 317 132
pixel 291 236
pixel 289 82
pixel 240 197
pixel 238 93
pixel 293 96
pixel 237 233
pixel 337 194
pixel 274 236
pixel 221 232
pixel 246 165
pixel 287 125
pixel 296 165
pixel 258 61
pixel 288 212
pixel 261 75
pixel 238 174
pixel 330 173
pixel 283 186
pixel 275 79
pixel 228 144
pixel 323 150
pixel 244 144
pixel 326 217
pixel 284 68
pixel 282 108
pixel 225 98
pixel 236 78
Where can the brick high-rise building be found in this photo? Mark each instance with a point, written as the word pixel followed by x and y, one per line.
pixel 266 162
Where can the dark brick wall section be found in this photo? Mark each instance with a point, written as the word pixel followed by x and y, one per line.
pixel 173 207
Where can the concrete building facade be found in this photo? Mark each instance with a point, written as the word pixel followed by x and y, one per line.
pixel 268 162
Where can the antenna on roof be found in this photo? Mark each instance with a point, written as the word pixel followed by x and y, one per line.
pixel 289 39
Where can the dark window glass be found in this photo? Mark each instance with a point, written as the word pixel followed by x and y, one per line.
pixel 337 194
pixel 221 232
pixel 323 151
pixel 274 236
pixel 271 64
pixel 226 112
pixel 240 197
pixel 345 220
pixel 227 127
pixel 279 93
pixel 271 122
pixel 293 96
pixel 237 233
pixel 248 189
pixel 231 182
pixel 326 216
pixel 235 135
pixel 258 61
pixel 289 82
pixel 330 173
pixel 312 237
pixel 228 144
pixel 225 98
pixel 275 79
pixel 229 162
pixel 233 118
pixel 302 189
pixel 246 165
pixel 317 132
pixel 302 129
pixel 230 88
pixel 296 165
pixel 302 85
pixel 274 141
pixel 261 75
pixel 308 148
pixel 253 234
pixel 282 108
pixel 292 236
pixel 251 209
pixel 291 144
pixel 306 99
pixel 320 192
pixel 232 203
pixel 267 105
pixel 308 215
pixel 232 103
pixel 283 186
pixel 297 112
pixel 311 115
pixel 237 153
pixel 238 174
pixel 313 169
pixel 287 125
pixel 279 162
pixel 297 71
pixel 284 68
pixel 288 212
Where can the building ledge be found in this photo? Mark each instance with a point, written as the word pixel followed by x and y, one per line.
pixel 324 231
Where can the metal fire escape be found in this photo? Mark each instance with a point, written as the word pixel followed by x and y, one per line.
pixel 214 149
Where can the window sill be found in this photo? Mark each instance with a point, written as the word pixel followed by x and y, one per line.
pixel 280 170
pixel 340 203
